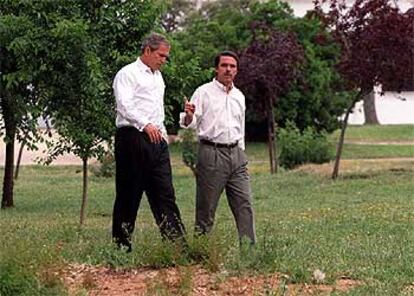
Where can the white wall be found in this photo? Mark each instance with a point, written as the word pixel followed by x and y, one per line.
pixel 392 108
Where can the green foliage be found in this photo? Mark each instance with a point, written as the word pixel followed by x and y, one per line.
pixel 25 47
pixel 176 14
pixel 314 99
pixel 217 26
pixel 182 75
pixel 68 52
pixel 106 166
pixel 64 57
pixel 81 101
pixel 189 149
pixel 298 147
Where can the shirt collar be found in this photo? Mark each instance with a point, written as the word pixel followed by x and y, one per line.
pixel 144 67
pixel 222 86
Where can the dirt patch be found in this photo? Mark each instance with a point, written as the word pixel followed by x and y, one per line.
pixel 189 280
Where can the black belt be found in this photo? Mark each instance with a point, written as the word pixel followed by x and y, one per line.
pixel 218 145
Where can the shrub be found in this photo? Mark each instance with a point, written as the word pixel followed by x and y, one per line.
pixel 189 149
pixel 106 166
pixel 297 147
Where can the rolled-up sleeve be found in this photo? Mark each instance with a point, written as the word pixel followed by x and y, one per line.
pixel 126 106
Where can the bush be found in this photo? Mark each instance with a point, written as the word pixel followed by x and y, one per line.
pixel 106 166
pixel 189 149
pixel 297 148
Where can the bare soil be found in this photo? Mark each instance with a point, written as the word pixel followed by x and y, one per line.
pixel 191 280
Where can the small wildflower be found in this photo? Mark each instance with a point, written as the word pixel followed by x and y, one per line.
pixel 318 276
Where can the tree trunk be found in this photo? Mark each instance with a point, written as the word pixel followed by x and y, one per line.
pixel 19 158
pixel 342 137
pixel 84 191
pixel 270 144
pixel 369 108
pixel 271 136
pixel 10 127
pixel 7 200
pixel 276 157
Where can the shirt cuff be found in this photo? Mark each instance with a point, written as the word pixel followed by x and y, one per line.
pixel 182 121
pixel 142 125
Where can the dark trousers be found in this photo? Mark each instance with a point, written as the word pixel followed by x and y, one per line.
pixel 143 166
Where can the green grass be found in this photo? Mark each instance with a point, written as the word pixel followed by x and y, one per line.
pixel 360 226
pixel 377 133
pixel 354 151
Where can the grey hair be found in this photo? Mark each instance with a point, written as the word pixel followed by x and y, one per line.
pixel 153 41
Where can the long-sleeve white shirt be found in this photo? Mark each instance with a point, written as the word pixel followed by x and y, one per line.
pixel 139 94
pixel 219 116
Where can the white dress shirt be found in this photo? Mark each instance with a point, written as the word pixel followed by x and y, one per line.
pixel 139 94
pixel 219 116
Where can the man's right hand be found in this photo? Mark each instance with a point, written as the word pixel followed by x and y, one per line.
pixel 189 109
pixel 153 133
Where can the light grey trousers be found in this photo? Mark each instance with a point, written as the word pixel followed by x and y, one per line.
pixel 219 169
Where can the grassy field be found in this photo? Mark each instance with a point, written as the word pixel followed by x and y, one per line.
pixel 375 133
pixel 360 227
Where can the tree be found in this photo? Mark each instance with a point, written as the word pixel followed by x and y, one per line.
pixel 269 65
pixel 61 56
pixel 377 46
pixel 80 101
pixel 77 101
pixel 182 75
pixel 22 54
pixel 216 26
pixel 311 100
pixel 176 14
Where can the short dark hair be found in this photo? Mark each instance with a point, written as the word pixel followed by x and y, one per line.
pixel 153 41
pixel 226 53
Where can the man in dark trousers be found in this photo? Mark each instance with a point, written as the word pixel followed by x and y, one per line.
pixel 217 112
pixel 141 149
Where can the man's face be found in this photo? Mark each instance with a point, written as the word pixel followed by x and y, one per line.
pixel 226 70
pixel 155 59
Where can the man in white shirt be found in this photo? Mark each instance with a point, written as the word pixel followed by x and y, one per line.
pixel 217 112
pixel 141 149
